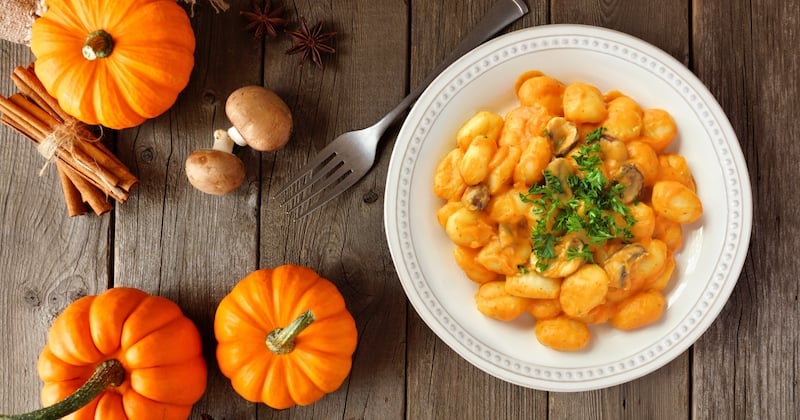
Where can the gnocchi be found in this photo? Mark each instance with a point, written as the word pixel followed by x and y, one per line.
pixel 568 209
pixel 624 120
pixel 543 91
pixel 639 310
pixel 563 333
pixel 484 123
pixel 677 202
pixel 495 302
pixel 474 165
pixel 658 129
pixel 583 290
pixel 584 103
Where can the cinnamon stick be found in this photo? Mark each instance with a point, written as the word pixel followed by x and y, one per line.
pixel 5 119
pixel 27 83
pixel 90 194
pixel 22 119
pixel 98 153
pixel 76 159
pixel 93 178
pixel 33 109
pixel 26 79
pixel 72 195
pixel 89 172
pixel 91 165
pixel 90 153
pixel 126 179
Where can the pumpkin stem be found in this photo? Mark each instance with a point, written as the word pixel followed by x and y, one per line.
pixel 281 340
pixel 109 373
pixel 98 44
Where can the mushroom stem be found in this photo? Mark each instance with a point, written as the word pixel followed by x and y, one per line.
pixel 236 136
pixel 222 141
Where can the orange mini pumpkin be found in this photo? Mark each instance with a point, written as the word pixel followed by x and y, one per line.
pixel 285 337
pixel 145 340
pixel 115 63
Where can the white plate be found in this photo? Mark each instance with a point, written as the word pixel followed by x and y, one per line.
pixel 708 264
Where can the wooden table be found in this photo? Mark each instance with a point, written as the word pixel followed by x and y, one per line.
pixel 171 240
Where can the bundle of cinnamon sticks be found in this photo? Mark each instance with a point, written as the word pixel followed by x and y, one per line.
pixel 89 172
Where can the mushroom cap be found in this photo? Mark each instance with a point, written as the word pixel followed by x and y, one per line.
pixel 563 135
pixel 261 117
pixel 476 197
pixel 214 172
pixel 560 169
pixel 631 177
pixel 622 263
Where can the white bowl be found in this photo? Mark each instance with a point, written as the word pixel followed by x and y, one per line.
pixel 708 265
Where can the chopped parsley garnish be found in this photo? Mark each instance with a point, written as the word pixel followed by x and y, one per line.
pixel 584 252
pixel 588 205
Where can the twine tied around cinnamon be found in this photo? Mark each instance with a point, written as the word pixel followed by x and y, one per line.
pixel 61 138
pixel 90 173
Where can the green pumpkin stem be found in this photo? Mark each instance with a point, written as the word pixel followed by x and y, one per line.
pixel 281 340
pixel 98 44
pixel 109 373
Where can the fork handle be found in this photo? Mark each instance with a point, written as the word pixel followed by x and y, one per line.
pixel 502 13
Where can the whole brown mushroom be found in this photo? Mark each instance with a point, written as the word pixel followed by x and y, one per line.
pixel 260 118
pixel 216 171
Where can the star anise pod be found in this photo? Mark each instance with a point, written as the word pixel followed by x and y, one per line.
pixel 311 43
pixel 266 20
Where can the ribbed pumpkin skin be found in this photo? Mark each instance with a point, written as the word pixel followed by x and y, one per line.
pixel 149 66
pixel 158 346
pixel 267 299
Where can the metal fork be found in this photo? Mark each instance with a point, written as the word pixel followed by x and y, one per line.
pixel 351 155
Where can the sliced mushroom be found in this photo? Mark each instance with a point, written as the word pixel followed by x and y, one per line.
pixel 622 263
pixel 561 170
pixel 476 197
pixel 563 135
pixel 563 265
pixel 609 137
pixel 633 180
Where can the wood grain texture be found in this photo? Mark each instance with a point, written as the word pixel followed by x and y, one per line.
pixel 722 367
pixel 748 365
pixel 344 241
pixel 665 24
pixel 440 383
pixel 47 259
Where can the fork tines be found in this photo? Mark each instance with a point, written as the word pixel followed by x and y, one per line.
pixel 326 173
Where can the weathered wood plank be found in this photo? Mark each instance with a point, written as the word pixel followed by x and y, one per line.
pixel 47 260
pixel 664 393
pixel 664 24
pixel 747 365
pixel 173 240
pixel 441 384
pixel 344 241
